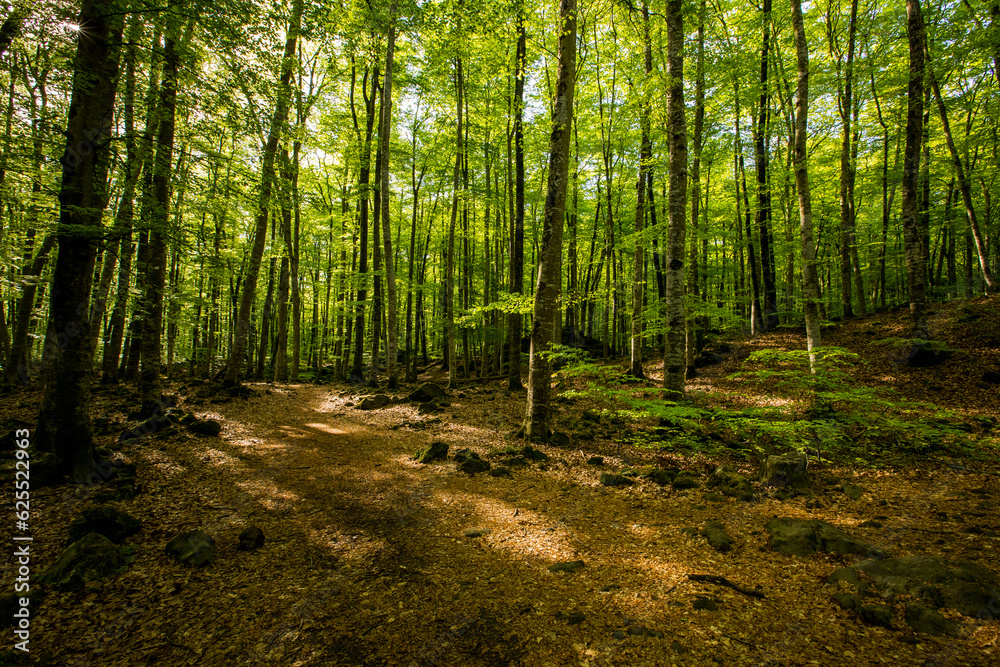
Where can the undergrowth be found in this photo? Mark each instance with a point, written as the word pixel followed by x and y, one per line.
pixel 824 411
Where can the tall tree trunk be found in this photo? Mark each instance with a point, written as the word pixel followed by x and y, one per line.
pixel 364 176
pixel 392 329
pixel 64 418
pixel 916 269
pixel 155 270
pixel 549 282
pixel 639 259
pixel 517 215
pixel 449 294
pixel 965 187
pixel 278 118
pixel 810 280
pixel 674 366
pixel 770 312
pixel 699 122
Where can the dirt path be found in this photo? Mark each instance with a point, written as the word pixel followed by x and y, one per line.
pixel 366 561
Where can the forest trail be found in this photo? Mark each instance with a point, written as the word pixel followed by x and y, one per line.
pixel 367 561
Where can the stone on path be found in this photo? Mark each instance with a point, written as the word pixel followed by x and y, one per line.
pixel 373 402
pixel 251 538
pixel 470 462
pixel 801 537
pixel 428 391
pixel 431 452
pixel 717 536
pixel 195 547
pixel 91 558
pixel 786 470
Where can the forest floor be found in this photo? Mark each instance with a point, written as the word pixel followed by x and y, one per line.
pixel 367 561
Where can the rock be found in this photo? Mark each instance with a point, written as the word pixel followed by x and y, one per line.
pixel 576 618
pixel 428 391
pixel 435 450
pixel 613 479
pixel 474 532
pixel 678 647
pixel 570 566
pixel 618 634
pixel 559 439
pixel 847 601
pixel 923 619
pixel 717 536
pixel 107 521
pixel 195 547
pixel 730 483
pixel 658 475
pixel 91 558
pixel 801 537
pixel 500 472
pixel 853 491
pixel 530 452
pixel 373 402
pixel 690 531
pixel 876 614
pixel 514 461
pixel 685 480
pixel 786 470
pixel 714 498
pixel 963 586
pixel 207 427
pixel 707 604
pixel 595 461
pixel 251 538
pixel 427 408
pixel 188 419
pixel 470 462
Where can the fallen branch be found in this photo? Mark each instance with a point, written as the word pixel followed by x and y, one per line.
pixel 722 581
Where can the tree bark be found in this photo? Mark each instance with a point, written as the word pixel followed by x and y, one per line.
pixel 150 389
pixel 392 330
pixel 810 279
pixel 517 238
pixel 674 366
pixel 64 419
pixel 549 281
pixel 916 269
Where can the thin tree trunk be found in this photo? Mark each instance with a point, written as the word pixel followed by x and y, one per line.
pixel 517 215
pixel 242 324
pixel 392 332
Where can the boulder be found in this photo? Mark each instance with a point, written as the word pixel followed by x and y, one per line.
pixel 613 479
pixel 206 427
pixel 470 462
pixel 966 587
pixel 801 537
pixel 685 480
pixel 428 391
pixel 251 538
pixel 559 439
pixel 107 521
pixel 435 450
pixel 500 472
pixel 785 470
pixel 427 408
pixel 373 402
pixel 91 558
pixel 923 619
pixel 595 461
pixel 195 547
pixel 730 483
pixel 876 614
pixel 717 536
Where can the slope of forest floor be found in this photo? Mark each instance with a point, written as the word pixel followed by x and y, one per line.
pixel 367 560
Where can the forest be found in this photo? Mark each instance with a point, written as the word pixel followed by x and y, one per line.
pixel 467 316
